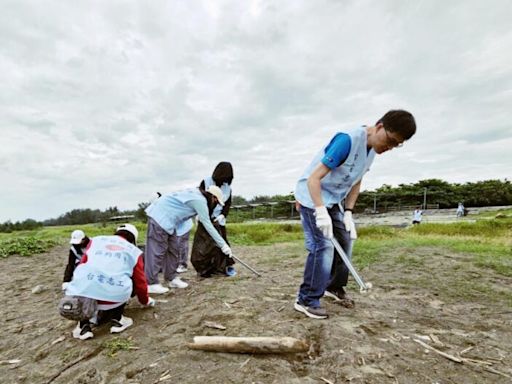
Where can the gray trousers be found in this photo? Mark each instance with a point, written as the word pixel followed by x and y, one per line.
pixel 161 253
pixel 183 248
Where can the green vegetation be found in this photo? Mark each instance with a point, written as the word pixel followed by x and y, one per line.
pixel 117 344
pixel 499 214
pixel 27 243
pixel 488 242
pixel 438 192
pixel 478 194
pixel 263 233
pixel 25 246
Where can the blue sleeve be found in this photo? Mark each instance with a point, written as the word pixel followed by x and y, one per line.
pixel 202 213
pixel 337 151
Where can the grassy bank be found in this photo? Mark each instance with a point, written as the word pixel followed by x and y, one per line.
pixel 487 241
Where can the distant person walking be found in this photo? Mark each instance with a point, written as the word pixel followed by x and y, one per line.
pixel 417 216
pixel 327 193
pixel 78 243
pixel 206 257
pixel 168 218
pixel 460 210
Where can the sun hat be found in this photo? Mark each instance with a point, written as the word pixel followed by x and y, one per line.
pixel 77 236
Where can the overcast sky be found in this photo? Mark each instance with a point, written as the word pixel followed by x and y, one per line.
pixel 104 102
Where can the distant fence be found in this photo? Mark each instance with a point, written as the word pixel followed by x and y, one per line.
pixel 122 218
pixel 273 210
pixel 400 207
pixel 285 210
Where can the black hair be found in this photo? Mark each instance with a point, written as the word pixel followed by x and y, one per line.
pixel 223 173
pixel 400 122
pixel 128 236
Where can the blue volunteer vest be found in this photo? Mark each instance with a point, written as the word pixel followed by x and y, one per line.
pixel 339 181
pixel 172 214
pixel 107 274
pixel 226 192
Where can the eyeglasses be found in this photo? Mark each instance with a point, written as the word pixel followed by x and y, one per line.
pixel 392 141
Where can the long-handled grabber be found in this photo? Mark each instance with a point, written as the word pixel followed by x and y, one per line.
pixel 246 265
pixel 362 286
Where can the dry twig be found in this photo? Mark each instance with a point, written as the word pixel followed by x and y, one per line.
pixel 448 356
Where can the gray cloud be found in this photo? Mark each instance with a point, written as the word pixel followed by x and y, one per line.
pixel 103 103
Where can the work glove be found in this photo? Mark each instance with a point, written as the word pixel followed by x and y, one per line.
pixel 350 226
pixel 151 302
pixel 227 250
pixel 220 219
pixel 65 286
pixel 323 221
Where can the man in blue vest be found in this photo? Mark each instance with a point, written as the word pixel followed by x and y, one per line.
pixel 326 195
pixel 168 218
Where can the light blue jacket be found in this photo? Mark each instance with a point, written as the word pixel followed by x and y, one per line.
pixel 339 181
pixel 174 210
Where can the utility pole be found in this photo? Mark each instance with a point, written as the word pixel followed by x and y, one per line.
pixel 425 198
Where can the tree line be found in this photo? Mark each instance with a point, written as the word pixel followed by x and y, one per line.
pixel 446 195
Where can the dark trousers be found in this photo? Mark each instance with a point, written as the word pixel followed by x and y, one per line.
pixel 108 315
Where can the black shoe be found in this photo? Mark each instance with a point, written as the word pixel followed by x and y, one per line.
pixel 341 297
pixel 314 313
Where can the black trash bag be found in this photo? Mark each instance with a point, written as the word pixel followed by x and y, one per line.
pixel 206 257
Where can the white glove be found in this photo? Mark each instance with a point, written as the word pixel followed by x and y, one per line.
pixel 227 250
pixel 219 219
pixel 151 303
pixel 65 286
pixel 350 226
pixel 323 221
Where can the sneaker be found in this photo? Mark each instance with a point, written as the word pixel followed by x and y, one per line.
pixel 341 297
pixel 230 271
pixel 83 333
pixel 314 313
pixel 177 283
pixel 119 326
pixel 157 289
pixel 182 268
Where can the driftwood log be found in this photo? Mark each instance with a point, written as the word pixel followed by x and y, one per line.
pixel 249 344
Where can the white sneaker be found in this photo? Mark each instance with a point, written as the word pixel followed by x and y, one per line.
pixel 83 333
pixel 177 283
pixel 181 269
pixel 120 325
pixel 157 289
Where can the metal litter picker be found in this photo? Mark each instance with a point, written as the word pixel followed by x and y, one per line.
pixel 246 265
pixel 362 286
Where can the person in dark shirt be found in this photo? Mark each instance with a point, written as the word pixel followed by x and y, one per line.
pixel 78 243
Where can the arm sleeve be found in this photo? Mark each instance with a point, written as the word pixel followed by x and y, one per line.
pixel 227 205
pixel 70 268
pixel 202 213
pixel 337 151
pixel 140 284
